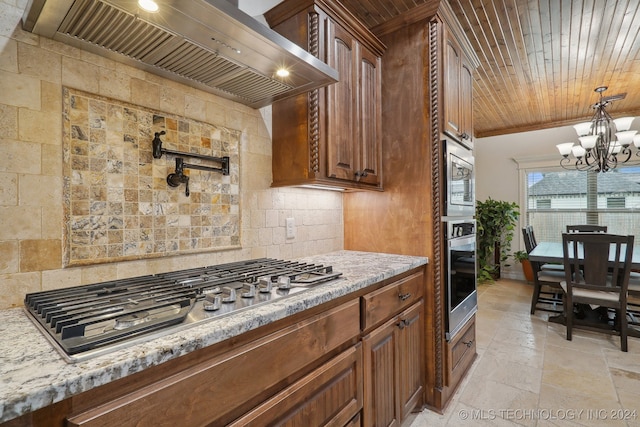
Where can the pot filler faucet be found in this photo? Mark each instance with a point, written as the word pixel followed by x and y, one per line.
pixel 178 177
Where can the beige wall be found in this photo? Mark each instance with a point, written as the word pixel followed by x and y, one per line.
pixel 497 174
pixel 32 73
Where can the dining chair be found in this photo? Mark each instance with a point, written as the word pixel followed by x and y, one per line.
pixel 530 243
pixel 633 303
pixel 586 228
pixel 546 279
pixel 590 277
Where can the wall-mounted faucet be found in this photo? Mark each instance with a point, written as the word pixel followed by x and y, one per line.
pixel 178 177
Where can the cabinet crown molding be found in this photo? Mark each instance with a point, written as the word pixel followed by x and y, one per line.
pixel 335 10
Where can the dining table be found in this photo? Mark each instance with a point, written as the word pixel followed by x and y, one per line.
pixel 552 252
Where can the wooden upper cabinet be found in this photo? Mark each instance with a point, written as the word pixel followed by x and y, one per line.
pixel 341 118
pixel 452 87
pixel 458 92
pixel 466 99
pixel 330 136
pixel 370 117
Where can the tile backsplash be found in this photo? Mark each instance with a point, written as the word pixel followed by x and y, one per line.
pixel 117 203
pixel 33 73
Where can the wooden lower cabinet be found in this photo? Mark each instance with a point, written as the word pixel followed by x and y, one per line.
pixel 210 392
pixel 460 353
pixel 393 368
pixel 330 395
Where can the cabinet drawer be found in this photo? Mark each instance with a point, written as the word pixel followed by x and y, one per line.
pixel 211 391
pixel 461 352
pixel 380 305
pixel 330 395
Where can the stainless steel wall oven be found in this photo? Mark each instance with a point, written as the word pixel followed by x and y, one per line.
pixel 460 240
pixel 460 258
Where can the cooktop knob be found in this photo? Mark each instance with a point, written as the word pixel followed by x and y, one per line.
pixel 229 294
pixel 264 285
pixel 284 282
pixel 248 290
pixel 212 302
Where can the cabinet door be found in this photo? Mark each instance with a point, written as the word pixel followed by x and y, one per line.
pixel 460 352
pixel 341 111
pixel 330 395
pixel 452 87
pixel 466 101
pixel 410 350
pixel 381 407
pixel 369 138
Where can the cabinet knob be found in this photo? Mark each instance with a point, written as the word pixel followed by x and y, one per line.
pixel 468 343
pixel 404 297
pixel 361 174
pixel 401 324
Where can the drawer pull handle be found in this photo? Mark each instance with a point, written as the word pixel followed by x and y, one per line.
pixel 468 343
pixel 404 297
pixel 401 324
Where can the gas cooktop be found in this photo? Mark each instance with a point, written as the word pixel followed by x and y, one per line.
pixel 88 320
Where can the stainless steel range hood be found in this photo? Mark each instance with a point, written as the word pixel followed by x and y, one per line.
pixel 211 45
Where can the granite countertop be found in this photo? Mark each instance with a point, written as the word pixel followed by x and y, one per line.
pixel 34 375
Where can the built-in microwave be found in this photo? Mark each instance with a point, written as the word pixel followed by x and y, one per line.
pixel 460 180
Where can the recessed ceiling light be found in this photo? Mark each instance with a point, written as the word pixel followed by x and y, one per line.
pixel 148 5
pixel 282 72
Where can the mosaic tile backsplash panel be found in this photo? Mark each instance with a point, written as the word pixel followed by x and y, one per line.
pixel 117 203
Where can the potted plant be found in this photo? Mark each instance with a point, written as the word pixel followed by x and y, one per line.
pixel 523 258
pixel 496 222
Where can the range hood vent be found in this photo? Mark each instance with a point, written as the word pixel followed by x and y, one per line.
pixel 211 45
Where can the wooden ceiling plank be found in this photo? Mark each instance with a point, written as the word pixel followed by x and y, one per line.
pixel 600 21
pixel 619 42
pixel 629 78
pixel 540 60
pixel 550 48
pixel 566 62
pixel 512 61
pixel 560 57
pixel 484 32
pixel 534 37
pixel 528 99
pixel 575 59
pixel 606 45
pixel 472 19
pixel 585 57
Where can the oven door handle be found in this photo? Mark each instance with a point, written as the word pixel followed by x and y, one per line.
pixel 462 241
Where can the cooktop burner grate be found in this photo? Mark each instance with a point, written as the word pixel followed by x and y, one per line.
pixel 89 317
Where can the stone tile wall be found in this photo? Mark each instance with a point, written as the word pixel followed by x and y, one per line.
pixel 117 202
pixel 33 72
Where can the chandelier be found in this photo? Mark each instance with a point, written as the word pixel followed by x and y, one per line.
pixel 599 150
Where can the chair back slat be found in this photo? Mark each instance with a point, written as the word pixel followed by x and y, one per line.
pixel 529 238
pixel 596 258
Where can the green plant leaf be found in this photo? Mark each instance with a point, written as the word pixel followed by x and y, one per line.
pixel 496 221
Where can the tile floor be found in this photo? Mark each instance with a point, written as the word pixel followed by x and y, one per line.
pixel 527 373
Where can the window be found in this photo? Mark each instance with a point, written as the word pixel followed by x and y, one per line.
pixel 543 204
pixel 555 198
pixel 616 202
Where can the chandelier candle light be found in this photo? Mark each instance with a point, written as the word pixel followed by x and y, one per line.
pixel 599 151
